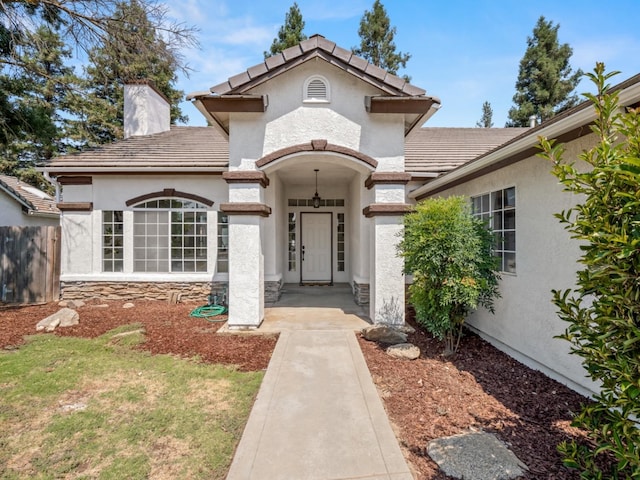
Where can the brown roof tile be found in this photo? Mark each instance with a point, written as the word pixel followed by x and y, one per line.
pixel 257 70
pixel 438 150
pixel 291 53
pixel 181 148
pixel 319 46
pixel 29 196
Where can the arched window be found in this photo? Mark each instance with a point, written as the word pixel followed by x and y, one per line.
pixel 316 89
pixel 170 235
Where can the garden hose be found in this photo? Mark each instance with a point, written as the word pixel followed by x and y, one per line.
pixel 209 311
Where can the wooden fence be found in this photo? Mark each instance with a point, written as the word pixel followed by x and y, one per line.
pixel 29 264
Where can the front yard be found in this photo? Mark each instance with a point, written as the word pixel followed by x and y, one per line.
pixel 171 401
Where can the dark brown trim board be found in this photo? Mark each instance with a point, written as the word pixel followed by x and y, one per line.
pixel 168 192
pixel 75 206
pixel 389 209
pixel 250 176
pixel 247 208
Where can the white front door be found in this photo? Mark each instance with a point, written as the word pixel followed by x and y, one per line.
pixel 315 253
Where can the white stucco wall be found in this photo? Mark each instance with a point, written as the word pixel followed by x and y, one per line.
pixel 525 320
pixel 11 215
pixel 290 121
pixel 82 231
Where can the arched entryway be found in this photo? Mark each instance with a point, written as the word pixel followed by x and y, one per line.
pixel 323 242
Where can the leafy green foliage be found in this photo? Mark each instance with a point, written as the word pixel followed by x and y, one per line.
pixel 290 34
pixel 545 80
pixel 376 40
pixel 449 252
pixel 603 312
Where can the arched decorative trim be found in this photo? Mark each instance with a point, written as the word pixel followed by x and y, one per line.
pixel 316 89
pixel 316 146
pixel 169 192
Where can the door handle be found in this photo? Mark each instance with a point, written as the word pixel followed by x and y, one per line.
pixel 302 253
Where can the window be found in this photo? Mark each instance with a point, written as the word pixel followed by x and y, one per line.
pixel 499 209
pixel 316 89
pixel 292 242
pixel 340 242
pixel 170 235
pixel 112 241
pixel 223 243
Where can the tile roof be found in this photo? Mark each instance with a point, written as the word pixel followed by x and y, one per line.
pixel 315 46
pixel 440 149
pixel 180 148
pixel 27 195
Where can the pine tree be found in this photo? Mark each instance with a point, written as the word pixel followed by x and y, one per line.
pixel 36 101
pixel 376 40
pixel 290 33
pixel 134 51
pixel 487 116
pixel 545 80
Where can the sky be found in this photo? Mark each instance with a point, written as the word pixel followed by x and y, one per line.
pixel 464 52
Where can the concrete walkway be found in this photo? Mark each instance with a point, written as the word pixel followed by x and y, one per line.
pixel 318 415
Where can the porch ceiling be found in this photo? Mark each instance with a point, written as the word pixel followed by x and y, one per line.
pixel 302 173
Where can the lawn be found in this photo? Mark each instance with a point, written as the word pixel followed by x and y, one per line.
pixel 102 408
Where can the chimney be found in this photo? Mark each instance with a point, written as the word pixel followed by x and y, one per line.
pixel 146 110
pixel 532 121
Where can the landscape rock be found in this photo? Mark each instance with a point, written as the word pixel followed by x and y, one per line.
pixel 407 351
pixel 476 455
pixel 384 334
pixel 128 305
pixel 406 328
pixel 71 303
pixel 65 317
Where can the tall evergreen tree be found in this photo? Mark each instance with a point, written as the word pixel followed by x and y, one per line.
pixel 290 33
pixel 134 51
pixel 37 101
pixel 376 40
pixel 545 80
pixel 486 121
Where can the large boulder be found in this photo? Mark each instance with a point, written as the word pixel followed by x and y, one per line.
pixel 65 317
pixel 384 334
pixel 407 351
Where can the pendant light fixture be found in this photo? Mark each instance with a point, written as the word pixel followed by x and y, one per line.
pixel 316 197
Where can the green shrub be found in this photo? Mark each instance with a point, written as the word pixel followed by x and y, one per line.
pixel 449 252
pixel 603 312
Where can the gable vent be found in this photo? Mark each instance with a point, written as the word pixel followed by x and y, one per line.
pixel 316 90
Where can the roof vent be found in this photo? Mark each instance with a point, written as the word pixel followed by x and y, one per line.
pixel 316 89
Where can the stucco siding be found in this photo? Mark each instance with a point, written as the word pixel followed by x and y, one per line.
pixel 525 320
pixel 82 231
pixel 289 120
pixel 11 215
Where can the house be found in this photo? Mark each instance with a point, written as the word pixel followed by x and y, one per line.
pixel 24 205
pixel 311 159
pixel 515 187
pixel 301 179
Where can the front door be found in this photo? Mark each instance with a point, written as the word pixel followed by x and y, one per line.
pixel 315 254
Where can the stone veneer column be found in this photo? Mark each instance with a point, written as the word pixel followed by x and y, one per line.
pixel 387 286
pixel 246 260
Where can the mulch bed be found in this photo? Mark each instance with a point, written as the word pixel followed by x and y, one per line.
pixel 431 397
pixel 168 329
pixel 478 388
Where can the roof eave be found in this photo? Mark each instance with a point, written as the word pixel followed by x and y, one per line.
pixel 522 143
pixel 88 169
pixel 580 116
